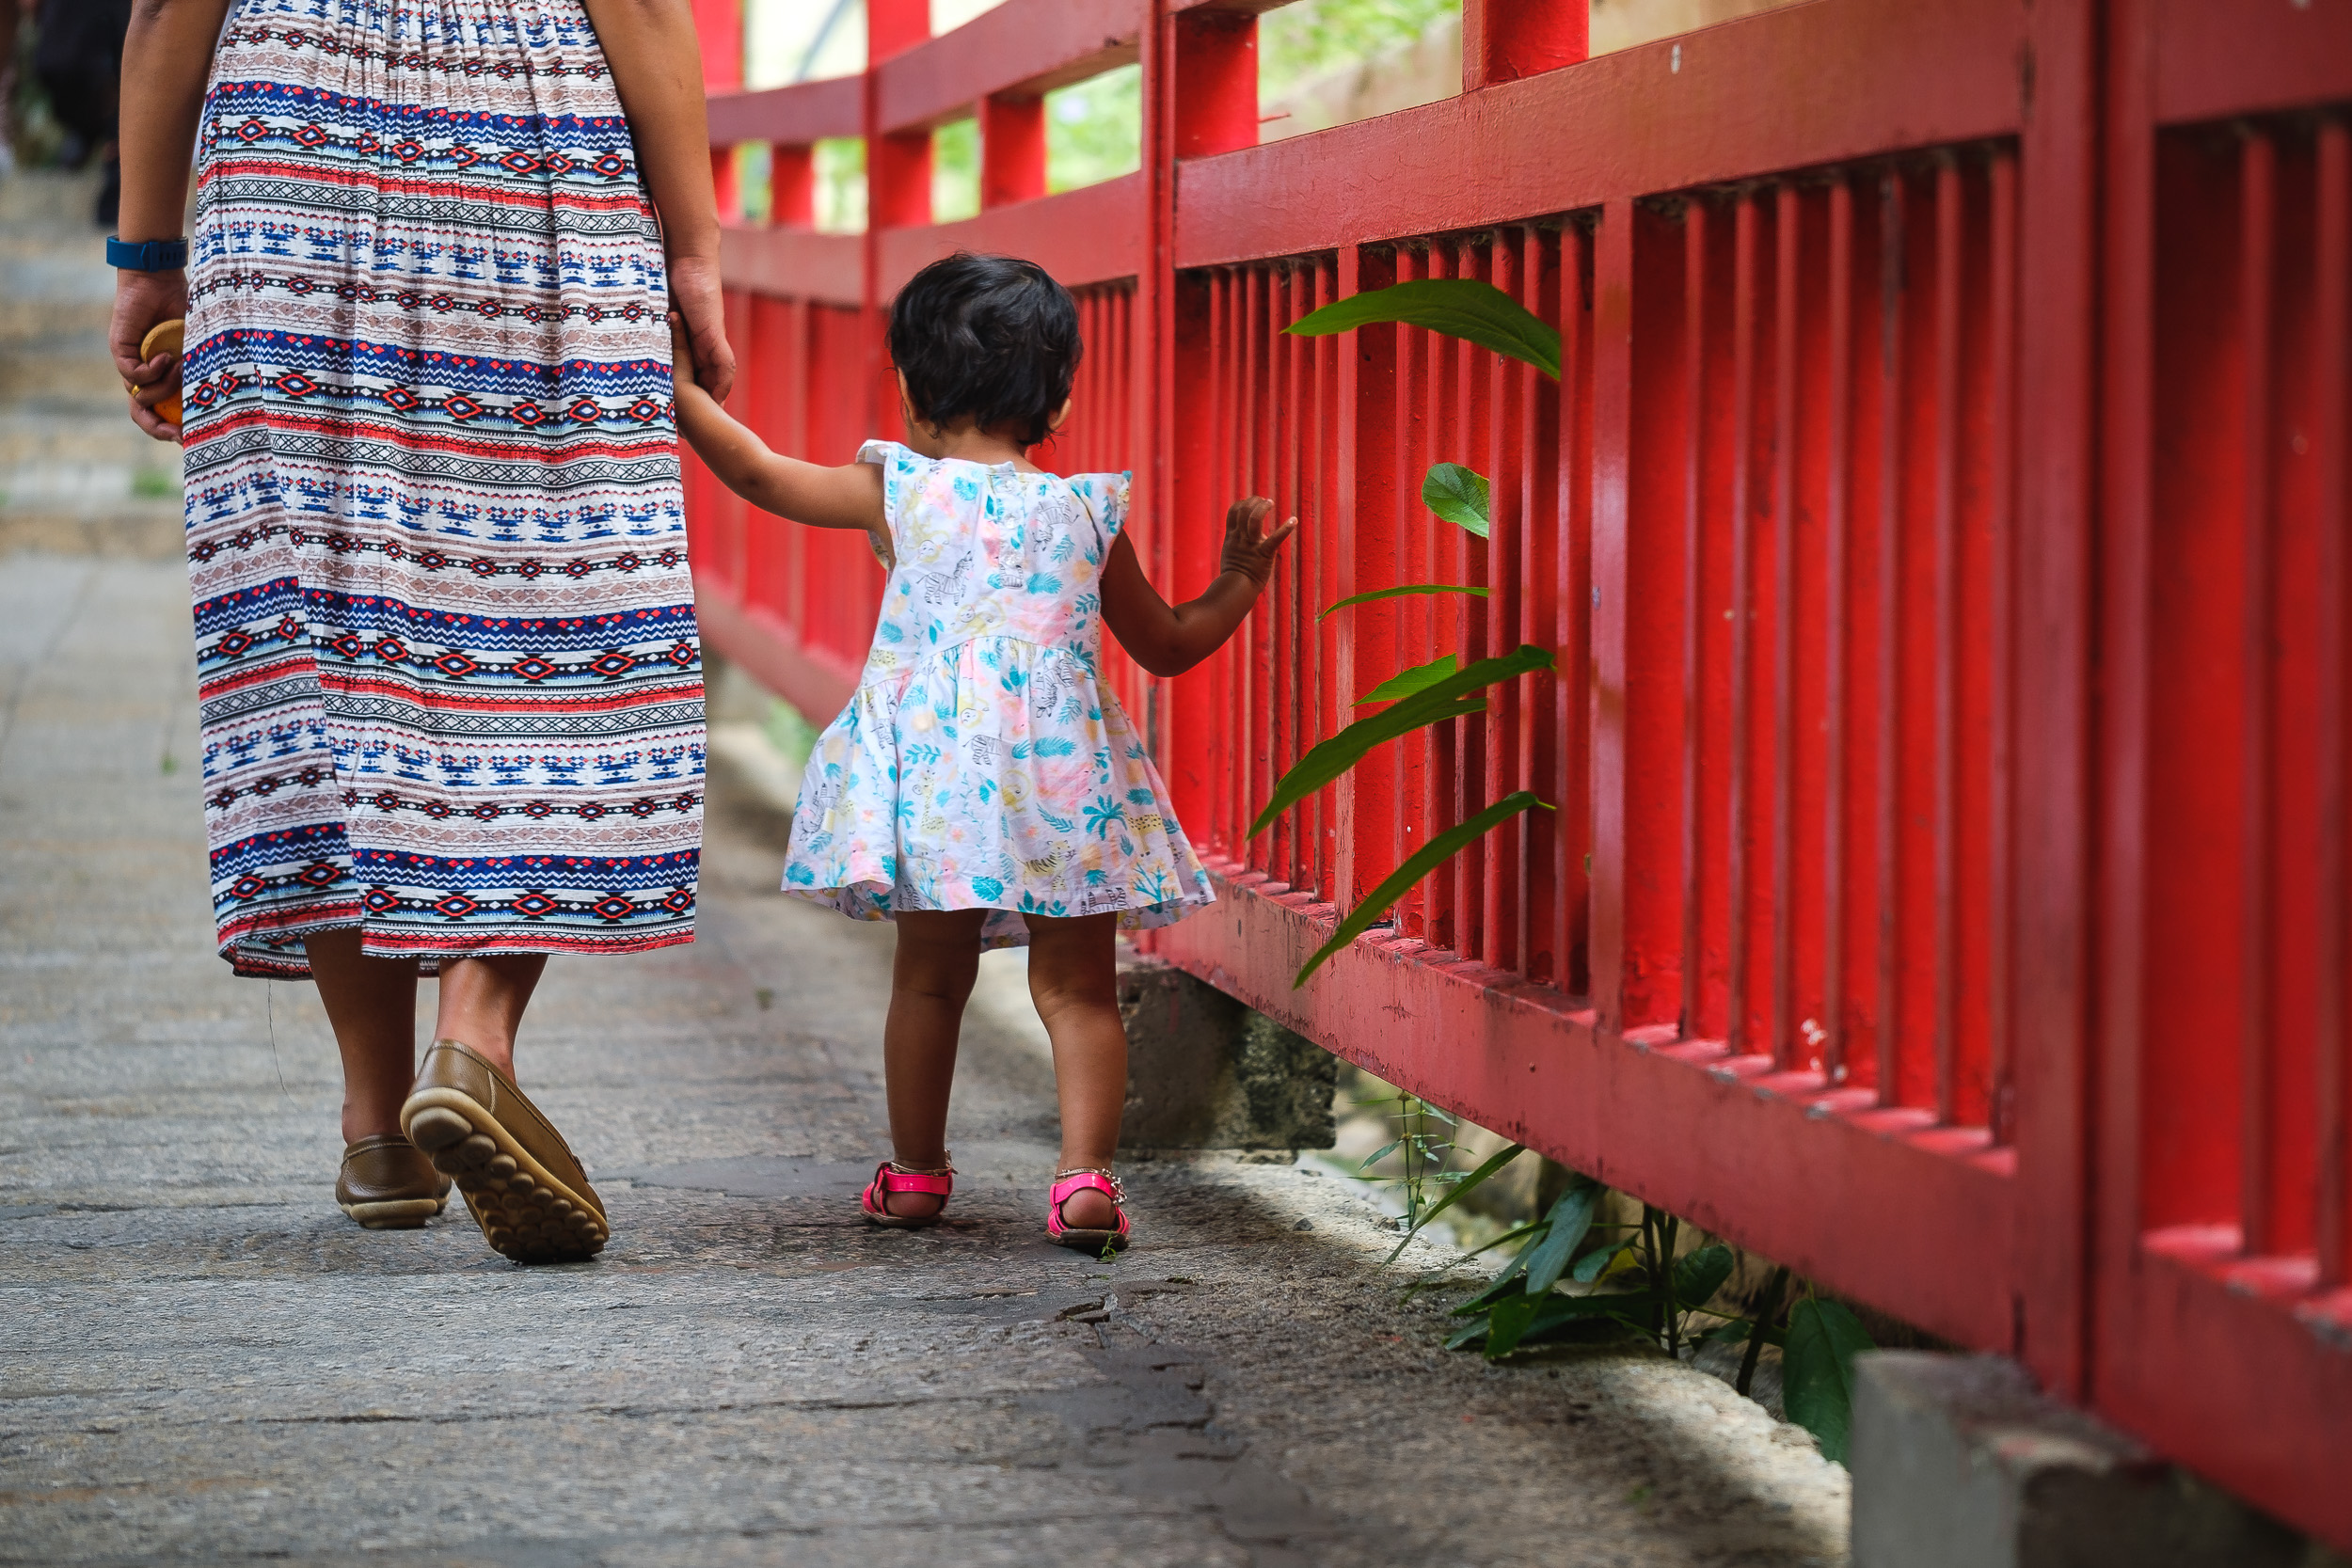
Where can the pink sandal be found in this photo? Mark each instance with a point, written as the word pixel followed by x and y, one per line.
pixel 891 1177
pixel 1067 1185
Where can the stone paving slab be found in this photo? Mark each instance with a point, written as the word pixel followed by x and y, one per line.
pixel 203 1361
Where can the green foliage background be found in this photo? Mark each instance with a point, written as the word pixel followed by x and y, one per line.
pixel 1093 129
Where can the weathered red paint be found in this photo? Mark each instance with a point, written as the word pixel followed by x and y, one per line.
pixel 1941 525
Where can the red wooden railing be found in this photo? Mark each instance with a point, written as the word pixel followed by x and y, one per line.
pixel 1941 523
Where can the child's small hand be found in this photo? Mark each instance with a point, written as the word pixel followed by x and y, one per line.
pixel 1246 551
pixel 681 353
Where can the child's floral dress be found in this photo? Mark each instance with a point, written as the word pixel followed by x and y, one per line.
pixel 982 764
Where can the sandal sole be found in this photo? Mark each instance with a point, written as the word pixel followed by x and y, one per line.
pixel 402 1213
pixel 525 1211
pixel 1090 1240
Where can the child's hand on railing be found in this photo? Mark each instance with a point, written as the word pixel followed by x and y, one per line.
pixel 1246 551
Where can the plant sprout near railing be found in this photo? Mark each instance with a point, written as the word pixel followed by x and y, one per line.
pixel 1440 691
pixel 1572 1278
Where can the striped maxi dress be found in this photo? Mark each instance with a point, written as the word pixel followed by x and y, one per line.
pixel 450 677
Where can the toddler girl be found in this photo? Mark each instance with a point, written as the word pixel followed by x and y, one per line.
pixel 983 788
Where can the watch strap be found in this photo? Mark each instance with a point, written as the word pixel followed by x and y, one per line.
pixel 148 255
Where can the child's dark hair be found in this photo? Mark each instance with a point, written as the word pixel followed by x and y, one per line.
pixel 992 338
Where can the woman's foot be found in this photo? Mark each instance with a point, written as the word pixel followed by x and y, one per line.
pixel 520 1180
pixel 1087 1211
pixel 906 1197
pixel 386 1184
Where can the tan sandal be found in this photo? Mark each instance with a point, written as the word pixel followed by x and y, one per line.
pixel 521 1181
pixel 386 1183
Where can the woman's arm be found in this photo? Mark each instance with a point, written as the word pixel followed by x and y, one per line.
pixel 167 56
pixel 657 69
pixel 1169 640
pixel 848 497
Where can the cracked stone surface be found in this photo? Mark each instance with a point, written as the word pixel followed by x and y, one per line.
pixel 203 1360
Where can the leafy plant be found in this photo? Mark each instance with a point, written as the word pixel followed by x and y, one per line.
pixel 1439 691
pixel 1423 1139
pixel 1460 496
pixel 1447 697
pixel 1575 1278
pixel 1439 850
pixel 1817 1371
pixel 1465 307
pixel 1403 591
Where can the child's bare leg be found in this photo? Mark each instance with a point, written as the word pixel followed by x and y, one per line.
pixel 939 956
pixel 1074 980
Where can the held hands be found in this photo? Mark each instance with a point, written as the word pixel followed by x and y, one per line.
pixel 681 353
pixel 697 307
pixel 141 300
pixel 1245 550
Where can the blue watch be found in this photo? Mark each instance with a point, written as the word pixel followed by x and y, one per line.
pixel 148 255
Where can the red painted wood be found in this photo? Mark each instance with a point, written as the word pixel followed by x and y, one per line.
pixel 1505 39
pixel 1022 48
pixel 725 187
pixel 1909 355
pixel 794 263
pixel 1216 84
pixel 719 23
pixel 1527 1063
pixel 792 117
pixel 1089 236
pixel 1012 149
pixel 2049 1112
pixel 2331 420
pixel 1781 89
pixel 2209 59
pixel 792 187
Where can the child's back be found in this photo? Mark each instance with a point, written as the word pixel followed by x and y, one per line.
pixel 983 763
pixel 983 786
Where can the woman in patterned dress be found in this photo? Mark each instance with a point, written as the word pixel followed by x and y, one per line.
pixel 451 681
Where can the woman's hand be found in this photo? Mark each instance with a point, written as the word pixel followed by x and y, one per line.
pixel 694 298
pixel 1246 551
pixel 656 59
pixel 141 300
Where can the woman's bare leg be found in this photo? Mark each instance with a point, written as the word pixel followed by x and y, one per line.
pixel 482 1002
pixel 1073 979
pixel 930 980
pixel 372 1004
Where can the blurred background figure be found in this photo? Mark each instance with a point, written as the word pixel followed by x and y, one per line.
pixel 77 59
pixel 14 16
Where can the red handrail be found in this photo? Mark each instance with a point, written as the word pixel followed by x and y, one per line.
pixel 1940 521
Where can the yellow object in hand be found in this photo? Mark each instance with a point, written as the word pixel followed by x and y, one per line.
pixel 164 338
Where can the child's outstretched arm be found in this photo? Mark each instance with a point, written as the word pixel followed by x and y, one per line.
pixel 1169 640
pixel 847 497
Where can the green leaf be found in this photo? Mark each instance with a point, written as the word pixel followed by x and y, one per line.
pixel 1469 1183
pixel 1457 306
pixel 1404 683
pixel 1699 1275
pixel 1506 1322
pixel 1458 494
pixel 1469 1334
pixel 1506 1283
pixel 1556 1310
pixel 1426 859
pixel 1536 1230
pixel 1595 1263
pixel 1816 1372
pixel 1448 698
pixel 1570 1218
pixel 1374 1159
pixel 1401 592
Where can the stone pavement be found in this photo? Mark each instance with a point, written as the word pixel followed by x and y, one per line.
pixel 201 1360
